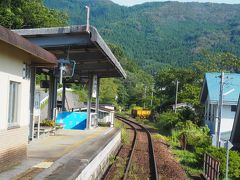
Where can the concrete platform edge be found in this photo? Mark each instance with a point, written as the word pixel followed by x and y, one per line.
pixel 99 164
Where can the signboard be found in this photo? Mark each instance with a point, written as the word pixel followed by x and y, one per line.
pixel 95 86
pixel 228 145
pixel 37 110
pixel 93 120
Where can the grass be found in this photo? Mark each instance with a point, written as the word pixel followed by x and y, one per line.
pixel 161 137
pixel 124 133
pixel 133 171
pixel 112 159
pixel 188 160
pixel 121 164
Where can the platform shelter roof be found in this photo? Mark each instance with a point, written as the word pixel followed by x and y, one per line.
pixel 87 48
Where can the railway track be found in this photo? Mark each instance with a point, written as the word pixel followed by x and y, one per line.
pixel 140 161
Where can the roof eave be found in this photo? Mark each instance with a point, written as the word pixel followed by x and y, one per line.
pixel 96 38
pixel 23 44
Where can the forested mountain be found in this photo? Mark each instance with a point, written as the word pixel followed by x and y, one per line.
pixel 161 33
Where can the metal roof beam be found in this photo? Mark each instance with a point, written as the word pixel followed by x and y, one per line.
pixel 56 41
pixel 91 67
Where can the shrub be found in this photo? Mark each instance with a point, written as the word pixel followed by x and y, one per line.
pixel 196 136
pixel 234 161
pixel 50 123
pixel 220 154
pixel 167 120
pixel 188 113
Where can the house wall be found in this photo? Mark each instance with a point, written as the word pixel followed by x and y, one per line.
pixel 210 116
pixel 106 117
pixel 13 141
pixel 227 118
pixel 103 117
pixel 226 122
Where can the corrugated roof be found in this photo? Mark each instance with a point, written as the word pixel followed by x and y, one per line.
pixel 43 56
pixel 212 87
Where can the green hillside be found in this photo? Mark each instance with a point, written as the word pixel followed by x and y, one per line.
pixel 161 33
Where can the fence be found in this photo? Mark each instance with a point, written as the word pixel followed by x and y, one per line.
pixel 211 167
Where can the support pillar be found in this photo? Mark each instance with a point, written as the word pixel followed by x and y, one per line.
pixel 52 96
pixel 89 102
pixel 63 97
pixel 32 96
pixel 97 98
pixel 54 102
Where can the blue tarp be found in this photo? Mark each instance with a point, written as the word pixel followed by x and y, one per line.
pixel 72 120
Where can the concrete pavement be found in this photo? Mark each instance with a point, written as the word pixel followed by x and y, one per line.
pixel 63 156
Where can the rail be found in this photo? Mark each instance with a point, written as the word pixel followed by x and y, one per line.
pixel 153 164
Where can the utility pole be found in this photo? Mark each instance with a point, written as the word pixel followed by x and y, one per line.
pixel 145 95
pixel 177 82
pixel 88 19
pixel 152 96
pixel 220 104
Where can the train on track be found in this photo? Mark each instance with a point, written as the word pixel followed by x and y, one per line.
pixel 141 113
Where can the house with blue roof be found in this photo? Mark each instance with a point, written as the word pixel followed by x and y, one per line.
pixel 210 98
pixel 235 135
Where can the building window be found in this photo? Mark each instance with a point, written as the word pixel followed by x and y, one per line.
pixel 13 104
pixel 233 108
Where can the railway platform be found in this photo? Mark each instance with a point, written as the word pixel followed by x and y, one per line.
pixel 70 154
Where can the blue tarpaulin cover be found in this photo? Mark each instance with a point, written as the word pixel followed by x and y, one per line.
pixel 72 120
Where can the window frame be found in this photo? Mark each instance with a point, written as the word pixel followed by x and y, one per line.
pixel 13 106
pixel 233 108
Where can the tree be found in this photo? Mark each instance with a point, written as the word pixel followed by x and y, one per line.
pixel 132 90
pixel 217 62
pixel 108 91
pixel 15 14
pixel 165 83
pixel 190 94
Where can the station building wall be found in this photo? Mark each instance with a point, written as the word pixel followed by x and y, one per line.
pixel 14 106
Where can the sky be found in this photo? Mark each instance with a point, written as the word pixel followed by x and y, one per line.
pixel 133 2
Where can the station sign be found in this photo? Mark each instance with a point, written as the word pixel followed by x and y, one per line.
pixel 37 110
pixel 95 86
